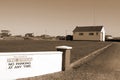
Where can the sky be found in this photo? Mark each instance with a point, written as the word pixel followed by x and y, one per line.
pixel 58 17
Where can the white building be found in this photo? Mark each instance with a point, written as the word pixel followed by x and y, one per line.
pixel 89 33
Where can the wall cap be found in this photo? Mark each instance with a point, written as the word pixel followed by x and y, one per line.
pixel 64 47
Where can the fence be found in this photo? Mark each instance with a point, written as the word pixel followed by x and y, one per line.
pixel 15 65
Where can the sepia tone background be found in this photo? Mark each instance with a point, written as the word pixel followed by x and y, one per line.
pixel 58 17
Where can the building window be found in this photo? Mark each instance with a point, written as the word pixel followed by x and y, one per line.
pixel 91 34
pixel 97 33
pixel 81 34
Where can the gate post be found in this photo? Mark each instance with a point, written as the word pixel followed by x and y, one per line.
pixel 65 56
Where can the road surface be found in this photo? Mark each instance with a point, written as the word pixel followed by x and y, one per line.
pixel 109 60
pixel 105 66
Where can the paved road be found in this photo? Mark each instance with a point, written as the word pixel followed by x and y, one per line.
pixel 109 60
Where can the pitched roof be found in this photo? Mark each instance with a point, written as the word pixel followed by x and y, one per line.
pixel 87 28
pixel 5 31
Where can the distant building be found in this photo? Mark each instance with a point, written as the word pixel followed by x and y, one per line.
pixel 92 33
pixel 44 36
pixel 5 33
pixel 60 37
pixel 108 37
pixel 29 35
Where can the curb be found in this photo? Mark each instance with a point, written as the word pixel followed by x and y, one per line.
pixel 88 57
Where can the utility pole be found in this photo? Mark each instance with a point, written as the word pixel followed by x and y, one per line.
pixel 45 31
pixel 65 34
pixel 94 13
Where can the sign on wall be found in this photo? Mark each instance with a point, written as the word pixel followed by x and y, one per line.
pixel 28 64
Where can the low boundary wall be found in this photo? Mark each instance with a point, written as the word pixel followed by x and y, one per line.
pixel 28 64
pixel 16 65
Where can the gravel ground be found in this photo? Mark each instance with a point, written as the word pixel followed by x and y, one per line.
pixel 79 74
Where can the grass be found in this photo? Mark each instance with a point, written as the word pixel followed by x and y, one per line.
pixel 80 49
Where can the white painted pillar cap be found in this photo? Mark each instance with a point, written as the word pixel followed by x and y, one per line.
pixel 64 47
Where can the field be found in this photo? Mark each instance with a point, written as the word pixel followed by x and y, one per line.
pixel 80 48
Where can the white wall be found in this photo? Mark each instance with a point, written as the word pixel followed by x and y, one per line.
pixel 103 35
pixel 86 36
pixel 28 64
